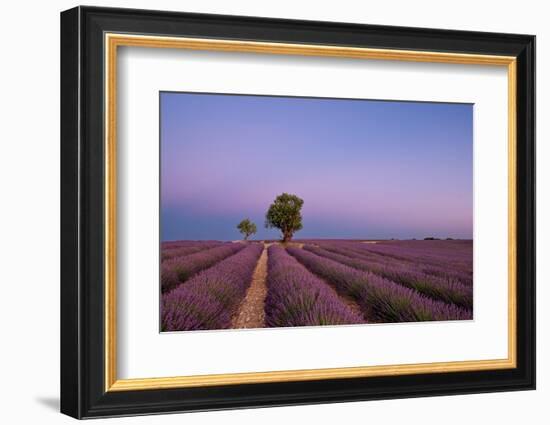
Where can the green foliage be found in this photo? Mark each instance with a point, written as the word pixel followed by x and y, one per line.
pixel 247 228
pixel 285 214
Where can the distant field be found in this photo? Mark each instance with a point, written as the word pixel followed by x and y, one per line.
pixel 209 285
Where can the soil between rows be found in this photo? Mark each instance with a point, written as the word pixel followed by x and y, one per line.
pixel 251 312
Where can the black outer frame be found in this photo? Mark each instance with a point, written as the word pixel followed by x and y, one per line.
pixel 82 206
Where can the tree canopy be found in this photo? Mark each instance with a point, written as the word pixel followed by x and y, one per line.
pixel 247 228
pixel 285 214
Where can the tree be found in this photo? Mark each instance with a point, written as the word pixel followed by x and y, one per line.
pixel 247 228
pixel 284 214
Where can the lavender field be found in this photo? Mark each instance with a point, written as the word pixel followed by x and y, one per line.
pixel 207 285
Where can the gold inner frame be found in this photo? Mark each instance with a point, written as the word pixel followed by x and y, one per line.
pixel 113 41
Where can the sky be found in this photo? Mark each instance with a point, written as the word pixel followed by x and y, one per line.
pixel 364 168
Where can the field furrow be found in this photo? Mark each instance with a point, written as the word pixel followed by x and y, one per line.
pixel 177 270
pixel 296 297
pixel 432 267
pixel 251 312
pixel 168 253
pixel 381 299
pixel 210 299
pixel 458 259
pixel 185 244
pixel 439 288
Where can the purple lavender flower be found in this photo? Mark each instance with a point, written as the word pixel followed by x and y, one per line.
pixel 177 270
pixel 296 297
pixel 380 299
pixel 450 260
pixel 210 299
pixel 182 251
pixel 441 288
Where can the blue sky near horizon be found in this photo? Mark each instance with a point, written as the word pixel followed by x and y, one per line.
pixel 365 169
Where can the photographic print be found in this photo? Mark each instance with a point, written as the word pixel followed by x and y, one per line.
pixel 279 211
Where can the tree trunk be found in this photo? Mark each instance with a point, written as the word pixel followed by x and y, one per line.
pixel 287 236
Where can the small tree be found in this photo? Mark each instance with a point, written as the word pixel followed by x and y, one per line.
pixel 285 214
pixel 247 228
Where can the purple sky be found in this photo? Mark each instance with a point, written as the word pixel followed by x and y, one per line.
pixel 365 169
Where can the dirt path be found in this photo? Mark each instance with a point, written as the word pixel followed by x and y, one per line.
pixel 352 305
pixel 251 312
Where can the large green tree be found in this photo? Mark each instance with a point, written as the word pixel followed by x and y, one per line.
pixel 285 214
pixel 247 228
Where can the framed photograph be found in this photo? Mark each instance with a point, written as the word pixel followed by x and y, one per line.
pixel 261 212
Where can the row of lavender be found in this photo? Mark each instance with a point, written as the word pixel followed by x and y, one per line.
pixel 209 299
pixel 167 245
pixel 384 287
pixel 380 299
pixel 176 270
pixel 410 275
pixel 451 259
pixel 169 252
pixel 296 297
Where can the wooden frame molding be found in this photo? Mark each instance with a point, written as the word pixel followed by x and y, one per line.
pixel 111 43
